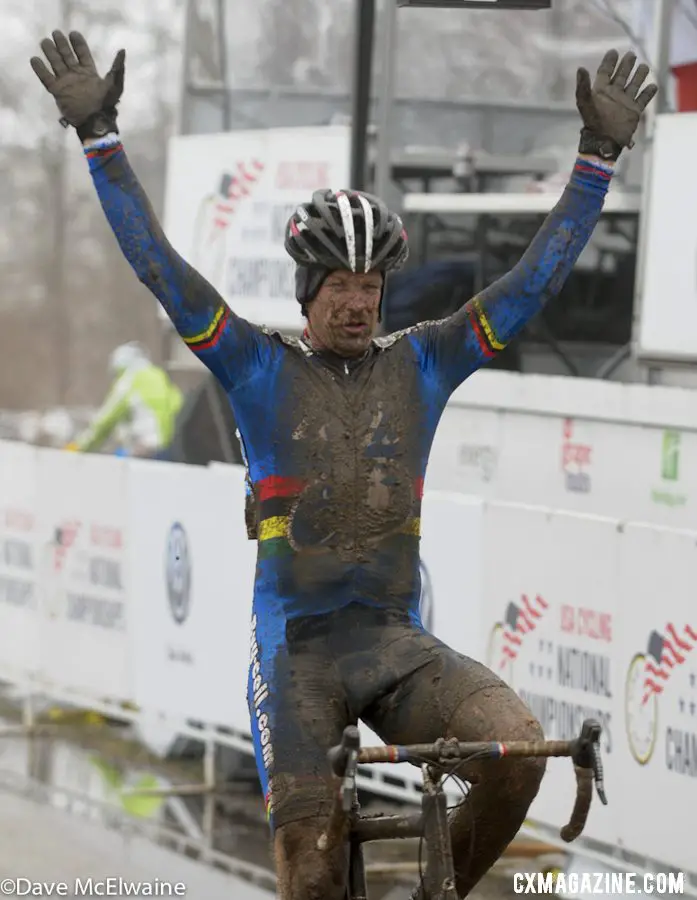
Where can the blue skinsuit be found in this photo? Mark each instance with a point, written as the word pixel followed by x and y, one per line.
pixel 336 450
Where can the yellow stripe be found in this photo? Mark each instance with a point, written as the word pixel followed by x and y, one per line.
pixel 275 527
pixel 411 526
pixel 209 331
pixel 488 330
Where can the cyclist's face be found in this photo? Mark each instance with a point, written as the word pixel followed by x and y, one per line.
pixel 343 316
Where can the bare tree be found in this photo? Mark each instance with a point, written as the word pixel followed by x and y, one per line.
pixel 60 268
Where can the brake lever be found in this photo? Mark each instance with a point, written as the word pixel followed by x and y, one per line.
pixel 587 755
pixel 344 764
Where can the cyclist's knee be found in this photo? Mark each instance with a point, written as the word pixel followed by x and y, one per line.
pixel 303 871
pixel 501 715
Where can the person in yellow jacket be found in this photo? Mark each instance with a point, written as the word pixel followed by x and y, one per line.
pixel 142 399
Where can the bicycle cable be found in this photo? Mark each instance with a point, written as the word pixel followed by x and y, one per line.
pixel 450 772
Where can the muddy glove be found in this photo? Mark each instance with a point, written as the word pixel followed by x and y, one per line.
pixel 85 99
pixel 612 107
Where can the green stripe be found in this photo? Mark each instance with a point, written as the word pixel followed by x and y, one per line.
pixel 274 547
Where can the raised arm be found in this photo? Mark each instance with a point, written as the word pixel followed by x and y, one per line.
pixel 232 348
pixel 457 346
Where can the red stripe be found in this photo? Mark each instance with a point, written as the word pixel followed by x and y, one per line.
pixel 484 346
pixel 590 169
pixel 103 154
pixel 214 338
pixel 278 486
pixel 419 488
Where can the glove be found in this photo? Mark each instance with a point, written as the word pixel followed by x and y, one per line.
pixel 612 107
pixel 71 447
pixel 85 100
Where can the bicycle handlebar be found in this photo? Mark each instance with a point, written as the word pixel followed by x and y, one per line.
pixel 584 750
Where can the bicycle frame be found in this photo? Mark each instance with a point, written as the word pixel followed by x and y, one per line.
pixel 431 823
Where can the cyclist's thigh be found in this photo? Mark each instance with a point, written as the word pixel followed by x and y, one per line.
pixel 450 695
pixel 297 713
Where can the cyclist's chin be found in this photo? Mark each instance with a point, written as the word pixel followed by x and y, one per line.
pixel 346 343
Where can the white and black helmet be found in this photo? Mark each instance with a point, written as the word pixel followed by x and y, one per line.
pixel 348 230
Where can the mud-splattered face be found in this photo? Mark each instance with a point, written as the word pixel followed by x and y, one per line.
pixel 343 316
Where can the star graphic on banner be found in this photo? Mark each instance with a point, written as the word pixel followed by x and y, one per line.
pixel 692 679
pixel 681 703
pixel 549 672
pixel 550 647
pixel 542 645
pixel 692 708
pixel 540 671
pixel 532 669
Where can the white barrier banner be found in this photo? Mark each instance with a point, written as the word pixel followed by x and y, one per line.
pixel 451 571
pixel 468 452
pixel 19 561
pixel 550 609
pixel 241 556
pixel 228 199
pixel 657 657
pixel 85 622
pixel 192 574
pixel 568 463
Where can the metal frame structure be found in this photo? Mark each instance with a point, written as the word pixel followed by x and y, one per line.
pixel 663 13
pixel 205 75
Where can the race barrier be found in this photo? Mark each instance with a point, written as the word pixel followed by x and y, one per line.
pixel 131 582
pixel 592 446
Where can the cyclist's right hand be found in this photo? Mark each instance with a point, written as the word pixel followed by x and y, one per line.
pixel 76 86
pixel 72 447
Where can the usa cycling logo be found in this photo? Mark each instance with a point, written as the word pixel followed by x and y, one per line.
pixel 178 573
pixel 667 663
pixel 510 634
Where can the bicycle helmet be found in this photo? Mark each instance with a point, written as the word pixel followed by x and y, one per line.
pixel 125 356
pixel 349 230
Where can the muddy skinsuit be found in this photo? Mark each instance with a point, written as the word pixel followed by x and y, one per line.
pixel 337 455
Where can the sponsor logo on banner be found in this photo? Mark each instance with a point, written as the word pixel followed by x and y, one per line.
pixel 539 647
pixel 17 564
pixel 426 599
pixel 509 635
pixel 178 573
pixel 87 578
pixel 669 493
pixel 64 538
pixel 484 459
pixel 575 461
pixel 665 674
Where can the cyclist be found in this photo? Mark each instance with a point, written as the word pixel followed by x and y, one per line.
pixel 336 427
pixel 142 400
